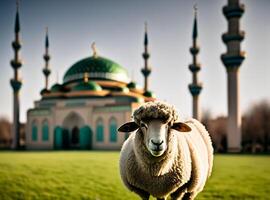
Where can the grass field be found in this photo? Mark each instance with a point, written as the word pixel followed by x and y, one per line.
pixel 94 175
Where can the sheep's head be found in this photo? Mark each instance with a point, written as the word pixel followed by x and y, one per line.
pixel 155 119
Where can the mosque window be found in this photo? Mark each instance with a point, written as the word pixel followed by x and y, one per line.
pixel 113 130
pixel 100 131
pixel 45 131
pixel 34 131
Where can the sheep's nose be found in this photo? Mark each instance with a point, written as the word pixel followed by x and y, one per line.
pixel 157 142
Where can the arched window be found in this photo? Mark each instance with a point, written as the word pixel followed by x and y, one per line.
pixel 99 131
pixel 113 130
pixel 34 131
pixel 45 131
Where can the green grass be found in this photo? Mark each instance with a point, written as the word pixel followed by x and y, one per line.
pixel 94 175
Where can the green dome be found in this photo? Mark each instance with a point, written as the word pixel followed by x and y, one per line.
pixel 56 88
pixel 96 68
pixel 132 85
pixel 87 86
pixel 149 94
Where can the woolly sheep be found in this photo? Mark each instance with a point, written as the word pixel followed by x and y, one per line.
pixel 164 156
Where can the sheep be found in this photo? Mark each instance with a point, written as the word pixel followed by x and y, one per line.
pixel 165 157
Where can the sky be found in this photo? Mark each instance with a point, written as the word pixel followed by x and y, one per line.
pixel 117 28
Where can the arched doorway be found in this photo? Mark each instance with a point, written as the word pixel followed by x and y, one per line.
pixel 72 124
pixel 77 134
pixel 61 138
pixel 75 137
pixel 86 138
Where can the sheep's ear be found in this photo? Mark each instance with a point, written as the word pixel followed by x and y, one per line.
pixel 182 127
pixel 128 127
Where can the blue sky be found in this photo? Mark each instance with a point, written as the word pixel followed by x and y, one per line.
pixel 117 28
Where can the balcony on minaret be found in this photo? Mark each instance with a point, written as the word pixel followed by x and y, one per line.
pixel 146 71
pixel 233 10
pixel 145 55
pixel 233 61
pixel 195 89
pixel 194 67
pixel 46 71
pixel 227 37
pixel 15 84
pixel 16 45
pixel 194 50
pixel 16 63
pixel 46 57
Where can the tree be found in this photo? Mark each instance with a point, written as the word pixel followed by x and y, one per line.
pixel 256 127
pixel 217 130
pixel 5 133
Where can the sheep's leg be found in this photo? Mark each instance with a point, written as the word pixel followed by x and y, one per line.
pixel 143 194
pixel 189 196
pixel 179 193
pixel 178 197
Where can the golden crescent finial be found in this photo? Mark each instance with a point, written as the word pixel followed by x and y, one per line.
pixel 94 48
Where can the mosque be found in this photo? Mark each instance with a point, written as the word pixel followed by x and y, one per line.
pixel 84 112
pixel 97 95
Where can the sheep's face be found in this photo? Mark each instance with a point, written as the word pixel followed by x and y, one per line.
pixel 155 133
pixel 155 136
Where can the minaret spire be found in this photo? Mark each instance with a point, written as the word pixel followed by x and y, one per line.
pixel 17 20
pixel 232 60
pixel 195 87
pixel 46 57
pixel 145 35
pixel 16 82
pixel 195 29
pixel 146 70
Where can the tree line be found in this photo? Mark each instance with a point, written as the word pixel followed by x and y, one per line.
pixel 255 129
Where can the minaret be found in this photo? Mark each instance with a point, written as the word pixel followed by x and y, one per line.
pixel 195 87
pixel 146 70
pixel 232 60
pixel 46 57
pixel 16 84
